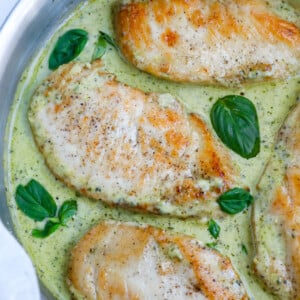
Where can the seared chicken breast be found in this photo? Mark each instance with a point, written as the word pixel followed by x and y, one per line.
pixel 115 143
pixel 276 215
pixel 126 261
pixel 224 42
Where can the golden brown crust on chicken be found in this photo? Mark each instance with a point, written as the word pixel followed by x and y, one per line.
pixel 115 143
pixel 277 212
pixel 205 41
pixel 126 261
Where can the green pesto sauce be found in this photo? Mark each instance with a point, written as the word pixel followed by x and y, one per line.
pixel 23 161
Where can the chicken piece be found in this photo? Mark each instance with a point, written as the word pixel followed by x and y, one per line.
pixel 276 216
pixel 211 42
pixel 126 261
pixel 115 143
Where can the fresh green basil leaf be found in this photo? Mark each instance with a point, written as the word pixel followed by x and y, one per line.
pixel 235 200
pixel 109 40
pixel 67 211
pixel 234 118
pixel 212 245
pixel 100 48
pixel 101 45
pixel 28 205
pixel 214 228
pixel 54 220
pixel 42 195
pixel 67 47
pixel 49 228
pixel 35 201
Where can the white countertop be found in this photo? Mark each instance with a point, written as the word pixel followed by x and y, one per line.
pixel 17 275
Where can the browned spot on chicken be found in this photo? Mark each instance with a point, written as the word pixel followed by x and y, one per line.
pixel 170 37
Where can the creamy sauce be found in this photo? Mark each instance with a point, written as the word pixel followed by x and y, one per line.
pixel 23 160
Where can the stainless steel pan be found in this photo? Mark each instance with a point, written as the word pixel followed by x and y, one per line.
pixel 25 31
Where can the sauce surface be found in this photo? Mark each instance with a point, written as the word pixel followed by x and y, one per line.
pixel 23 160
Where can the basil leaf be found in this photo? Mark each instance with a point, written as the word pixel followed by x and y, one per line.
pixel 100 48
pixel 244 249
pixel 35 201
pixel 101 45
pixel 212 245
pixel 49 228
pixel 214 228
pixel 235 200
pixel 43 196
pixel 109 40
pixel 234 118
pixel 67 47
pixel 67 211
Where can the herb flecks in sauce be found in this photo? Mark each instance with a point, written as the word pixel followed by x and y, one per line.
pixel 36 203
pixel 244 249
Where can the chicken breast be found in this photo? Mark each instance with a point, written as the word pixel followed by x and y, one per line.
pixel 224 42
pixel 115 143
pixel 276 215
pixel 126 261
